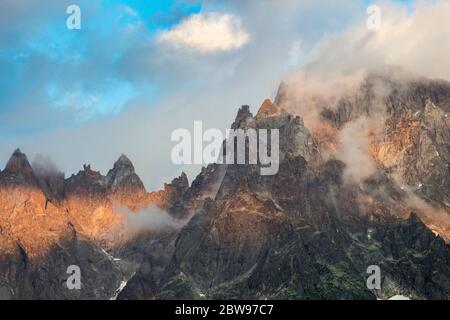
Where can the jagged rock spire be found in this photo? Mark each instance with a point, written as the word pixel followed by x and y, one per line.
pixel 122 168
pixel 241 118
pixel 268 109
pixel 18 169
pixel 181 183
pixel 123 175
pixel 17 162
pixel 124 162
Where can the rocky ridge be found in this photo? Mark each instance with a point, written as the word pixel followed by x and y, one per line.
pixel 309 232
pixel 306 232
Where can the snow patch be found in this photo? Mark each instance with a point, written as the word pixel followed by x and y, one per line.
pixel 370 231
pixel 399 297
pixel 119 290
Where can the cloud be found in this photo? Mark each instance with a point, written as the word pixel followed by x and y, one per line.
pixel 44 166
pixel 353 150
pixel 151 218
pixel 207 33
pixel 307 94
pixel 417 42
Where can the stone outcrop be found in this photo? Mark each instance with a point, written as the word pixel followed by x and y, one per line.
pixel 18 171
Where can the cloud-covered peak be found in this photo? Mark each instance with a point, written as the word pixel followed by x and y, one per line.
pixel 207 33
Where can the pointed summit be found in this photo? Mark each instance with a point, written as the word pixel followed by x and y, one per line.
pixel 123 175
pixel 181 183
pixel 17 163
pixel 241 118
pixel 268 109
pixel 124 162
pixel 123 167
pixel 18 169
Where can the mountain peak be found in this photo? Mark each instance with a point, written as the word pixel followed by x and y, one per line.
pixel 123 173
pixel 18 152
pixel 268 109
pixel 17 162
pixel 181 182
pixel 87 168
pixel 123 162
pixel 122 167
pixel 241 117
pixel 18 168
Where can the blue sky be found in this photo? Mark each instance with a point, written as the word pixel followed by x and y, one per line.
pixel 131 59
pixel 73 75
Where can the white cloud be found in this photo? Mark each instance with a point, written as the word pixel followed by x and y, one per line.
pixel 417 42
pixel 151 218
pixel 207 33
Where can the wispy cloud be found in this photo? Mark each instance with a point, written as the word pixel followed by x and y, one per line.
pixel 407 39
